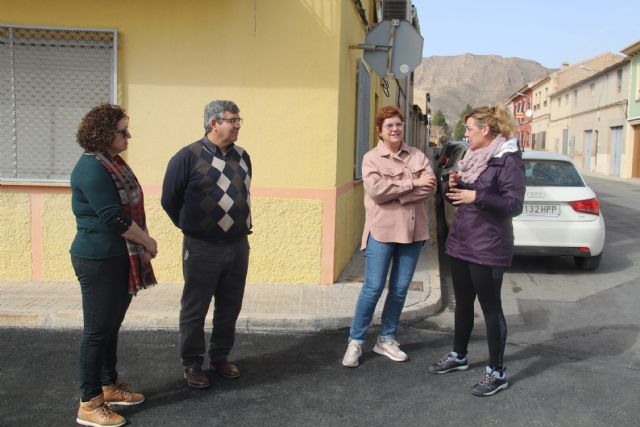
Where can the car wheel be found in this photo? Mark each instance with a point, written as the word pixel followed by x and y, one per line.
pixel 588 263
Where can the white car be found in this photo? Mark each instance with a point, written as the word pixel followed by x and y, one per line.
pixel 561 214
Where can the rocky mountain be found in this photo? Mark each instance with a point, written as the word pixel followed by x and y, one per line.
pixel 455 81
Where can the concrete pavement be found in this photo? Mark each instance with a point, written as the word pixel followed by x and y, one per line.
pixel 291 307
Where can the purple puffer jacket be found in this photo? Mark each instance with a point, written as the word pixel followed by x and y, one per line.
pixel 482 232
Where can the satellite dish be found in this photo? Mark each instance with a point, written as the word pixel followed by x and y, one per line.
pixel 528 113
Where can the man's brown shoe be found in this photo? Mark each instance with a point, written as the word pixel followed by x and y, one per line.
pixel 226 369
pixel 119 394
pixel 196 378
pixel 96 413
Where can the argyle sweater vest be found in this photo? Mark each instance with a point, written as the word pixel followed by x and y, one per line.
pixel 206 193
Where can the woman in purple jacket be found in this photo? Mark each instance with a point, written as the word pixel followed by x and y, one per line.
pixel 489 191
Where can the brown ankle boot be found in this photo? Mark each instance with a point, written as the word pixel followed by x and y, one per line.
pixel 119 394
pixel 96 413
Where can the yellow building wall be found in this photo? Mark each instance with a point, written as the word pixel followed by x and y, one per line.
pixel 15 232
pixel 167 265
pixel 349 225
pixel 278 59
pixel 290 253
pixel 58 231
pixel 288 66
pixel 279 254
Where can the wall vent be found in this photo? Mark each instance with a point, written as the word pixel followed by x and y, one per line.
pixel 396 9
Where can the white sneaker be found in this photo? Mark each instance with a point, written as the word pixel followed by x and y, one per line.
pixel 354 351
pixel 390 349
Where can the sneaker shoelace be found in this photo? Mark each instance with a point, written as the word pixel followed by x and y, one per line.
pixel 104 411
pixel 393 344
pixel 123 390
pixel 444 359
pixel 488 379
pixel 353 350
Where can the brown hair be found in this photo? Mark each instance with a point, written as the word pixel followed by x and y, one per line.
pixel 386 113
pixel 497 118
pixel 98 127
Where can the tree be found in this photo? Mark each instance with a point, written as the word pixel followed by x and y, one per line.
pixel 440 128
pixel 467 110
pixel 440 121
pixel 458 130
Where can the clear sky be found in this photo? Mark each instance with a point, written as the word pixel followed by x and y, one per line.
pixel 547 31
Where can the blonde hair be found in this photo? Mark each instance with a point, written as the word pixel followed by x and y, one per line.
pixel 498 119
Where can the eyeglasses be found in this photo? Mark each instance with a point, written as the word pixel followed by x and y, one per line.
pixel 123 132
pixel 233 120
pixel 394 126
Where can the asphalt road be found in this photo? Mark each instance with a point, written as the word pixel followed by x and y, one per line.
pixel 573 359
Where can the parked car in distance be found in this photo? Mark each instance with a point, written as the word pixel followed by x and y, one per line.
pixel 457 152
pixel 448 158
pixel 561 214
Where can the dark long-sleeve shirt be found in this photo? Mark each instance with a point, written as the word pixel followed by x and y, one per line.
pixel 206 194
pixel 96 205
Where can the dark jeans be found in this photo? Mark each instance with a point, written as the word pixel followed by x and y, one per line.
pixel 211 270
pixel 105 300
pixel 469 280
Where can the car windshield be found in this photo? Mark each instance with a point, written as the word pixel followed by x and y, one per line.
pixel 548 173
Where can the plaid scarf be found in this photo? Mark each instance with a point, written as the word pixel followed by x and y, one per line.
pixel 132 200
pixel 476 161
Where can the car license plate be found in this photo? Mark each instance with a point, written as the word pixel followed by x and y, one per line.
pixel 541 209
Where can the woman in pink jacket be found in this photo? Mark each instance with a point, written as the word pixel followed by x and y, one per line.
pixel 397 180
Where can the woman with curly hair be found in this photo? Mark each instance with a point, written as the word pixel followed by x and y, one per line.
pixel 111 256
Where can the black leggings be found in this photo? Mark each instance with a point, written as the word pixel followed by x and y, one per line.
pixel 469 280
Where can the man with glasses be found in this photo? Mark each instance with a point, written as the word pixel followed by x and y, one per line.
pixel 206 194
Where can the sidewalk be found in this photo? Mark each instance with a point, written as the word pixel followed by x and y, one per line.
pixel 593 174
pixel 266 307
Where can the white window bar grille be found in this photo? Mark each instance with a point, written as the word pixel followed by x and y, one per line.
pixel 50 78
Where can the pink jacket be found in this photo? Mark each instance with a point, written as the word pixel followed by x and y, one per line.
pixel 395 210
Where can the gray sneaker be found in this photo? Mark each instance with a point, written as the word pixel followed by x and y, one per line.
pixel 449 362
pixel 354 351
pixel 391 349
pixel 491 383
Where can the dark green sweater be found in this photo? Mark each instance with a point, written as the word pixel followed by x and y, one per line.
pixel 99 215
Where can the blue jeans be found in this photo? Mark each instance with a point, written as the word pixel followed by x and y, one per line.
pixel 403 258
pixel 105 299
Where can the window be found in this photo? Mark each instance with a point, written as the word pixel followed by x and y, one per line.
pixel 49 78
pixel 619 81
pixel 592 89
pixel 638 82
pixel 575 98
pixel 550 173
